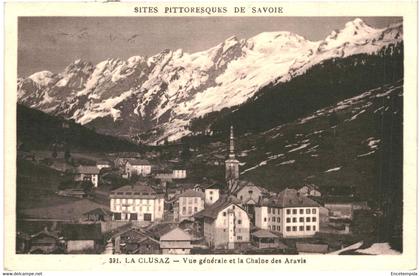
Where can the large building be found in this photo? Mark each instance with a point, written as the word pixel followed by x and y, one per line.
pixel 288 213
pixel 232 164
pixel 137 202
pixel 224 224
pixel 188 203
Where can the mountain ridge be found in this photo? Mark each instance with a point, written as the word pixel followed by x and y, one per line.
pixel 162 93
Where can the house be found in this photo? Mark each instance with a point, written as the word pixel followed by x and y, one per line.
pixel 82 237
pixel 211 195
pixel 250 194
pixel 266 239
pixel 311 248
pixel 138 167
pixel 176 241
pixel 179 173
pixel 137 202
pixel 187 204
pixel 310 190
pixel 224 224
pixel 289 214
pixel 88 173
pixel 45 242
pixel 97 214
pixel 134 241
pixel 103 164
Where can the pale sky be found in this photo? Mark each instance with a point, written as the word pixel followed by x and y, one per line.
pixel 52 43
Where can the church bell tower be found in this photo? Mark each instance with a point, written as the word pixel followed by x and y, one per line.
pixel 232 165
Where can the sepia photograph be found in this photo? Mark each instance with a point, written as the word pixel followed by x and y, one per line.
pixel 210 135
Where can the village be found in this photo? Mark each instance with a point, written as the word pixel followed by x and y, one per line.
pixel 157 209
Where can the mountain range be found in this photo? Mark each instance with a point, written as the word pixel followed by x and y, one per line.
pixel 157 97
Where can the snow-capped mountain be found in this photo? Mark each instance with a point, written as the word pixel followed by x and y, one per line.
pixel 161 94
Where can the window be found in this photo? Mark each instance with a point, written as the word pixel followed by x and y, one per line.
pixel 294 211
pixel 313 211
pixel 308 228
pixel 211 198
pixel 239 221
pixel 265 219
pixel 294 219
pixel 195 209
pixel 273 219
pixel 314 228
pixel 301 211
pixel 278 228
pixel 288 211
pixel 287 220
pixel 224 214
pixel 240 197
pixel 308 211
pixel 211 192
pixel 184 210
pixel 278 220
pixel 288 228
pixel 300 228
pixel 239 238
pixel 269 210
pixel 117 216
pixel 313 219
pixel 195 200
pixel 250 192
pixel 300 219
pixel 308 219
pixel 294 228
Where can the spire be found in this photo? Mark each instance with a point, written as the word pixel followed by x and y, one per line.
pixel 232 144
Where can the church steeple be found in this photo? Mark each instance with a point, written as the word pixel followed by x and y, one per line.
pixel 232 165
pixel 232 144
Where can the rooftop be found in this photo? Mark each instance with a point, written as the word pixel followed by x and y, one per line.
pixel 289 198
pixel 264 234
pixel 213 210
pixel 176 234
pixel 88 170
pixel 138 190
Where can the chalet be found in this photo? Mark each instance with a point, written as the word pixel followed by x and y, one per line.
pixel 88 173
pixel 134 241
pixel 310 190
pixel 187 204
pixel 176 241
pixel 250 194
pixel 45 242
pixel 225 224
pixel 266 239
pixel 97 214
pixel 82 237
pixel 289 214
pixel 137 202
pixel 138 167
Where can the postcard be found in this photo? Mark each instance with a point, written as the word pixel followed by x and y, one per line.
pixel 243 136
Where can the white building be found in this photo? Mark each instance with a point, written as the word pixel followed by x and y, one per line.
pixel 211 195
pixel 225 224
pixel 288 213
pixel 189 203
pixel 179 173
pixel 137 203
pixel 137 167
pixel 176 241
pixel 88 173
